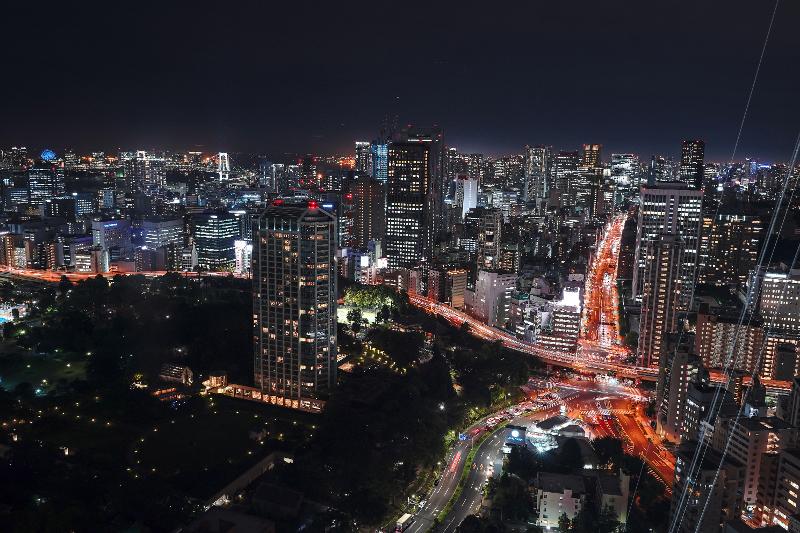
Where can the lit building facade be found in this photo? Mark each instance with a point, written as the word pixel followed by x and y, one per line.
pixel 294 305
pixel 669 208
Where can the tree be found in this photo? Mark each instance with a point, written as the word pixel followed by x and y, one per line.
pixel 355 318
pixel 570 455
pixel 608 521
pixel 609 451
pixel 564 523
pixel 384 314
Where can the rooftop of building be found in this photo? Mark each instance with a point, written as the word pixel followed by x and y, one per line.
pixel 764 423
pixel 558 483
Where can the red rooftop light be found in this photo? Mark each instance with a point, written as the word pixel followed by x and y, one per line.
pixel 312 204
pixel 278 201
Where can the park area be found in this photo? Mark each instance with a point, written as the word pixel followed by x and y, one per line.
pixel 41 371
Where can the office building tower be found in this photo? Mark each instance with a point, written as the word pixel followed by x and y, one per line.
pixel 777 299
pixel 747 440
pixel 143 171
pixel 625 171
pixel 492 296
pixel 363 158
pixel 408 216
pixel 538 163
pixel 266 175
pixel 669 208
pixel 590 156
pixel 660 296
pixel 379 157
pixel 565 174
pixel 294 305
pixel 779 486
pixel 214 236
pixel 368 211
pixel 466 194
pixel 729 247
pixel 113 236
pixel 679 366
pixel 60 207
pixel 699 419
pixel 223 166
pixel 691 170
pixel 662 169
pixel 705 497
pixel 455 287
pixel 45 181
pixel 489 239
pixel 722 342
pixel 160 232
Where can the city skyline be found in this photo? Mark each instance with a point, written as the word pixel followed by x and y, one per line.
pixel 544 75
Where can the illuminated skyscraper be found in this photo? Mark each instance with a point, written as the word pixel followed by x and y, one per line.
pixel 538 163
pixel 294 305
pixel 368 211
pixel 669 208
pixel 590 156
pixel 45 181
pixel 660 296
pixel 144 171
pixel 214 237
pixel 408 229
pixel 565 174
pixel 363 158
pixel 223 166
pixel 691 169
pixel 466 193
pixel 489 238
pixel 379 160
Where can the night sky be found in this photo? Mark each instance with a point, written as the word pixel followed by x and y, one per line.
pixel 302 77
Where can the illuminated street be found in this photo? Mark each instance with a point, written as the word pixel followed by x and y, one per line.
pixel 601 299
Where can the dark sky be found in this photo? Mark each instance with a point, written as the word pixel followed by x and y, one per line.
pixel 315 76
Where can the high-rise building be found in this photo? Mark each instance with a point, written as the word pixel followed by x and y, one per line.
pixel 660 296
pixel 679 366
pixel 489 239
pixel 408 217
pixel 625 171
pixel 466 194
pixel 294 305
pixel 706 496
pixel 721 341
pixel 159 232
pixel 45 181
pixel 369 215
pixel 113 236
pixel 565 174
pixel 538 163
pixel 590 156
pixel 747 440
pixel 669 208
pixel 455 287
pixel 223 166
pixel 379 157
pixel 777 298
pixel 778 489
pixel 363 158
pixel 214 236
pixel 729 249
pixel 144 171
pixel 492 296
pixel 691 169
